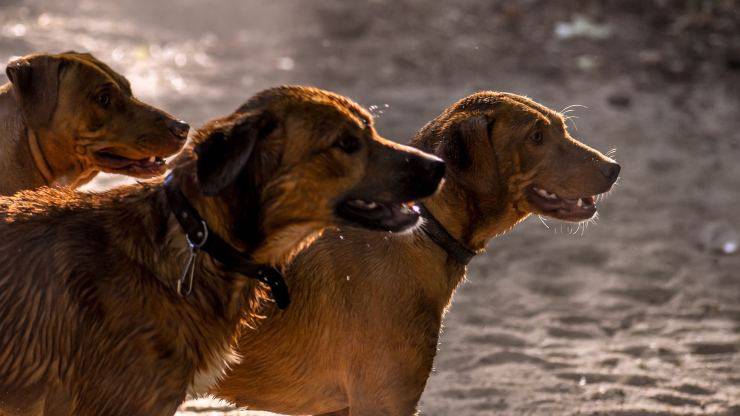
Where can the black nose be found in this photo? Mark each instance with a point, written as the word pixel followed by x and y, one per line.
pixel 430 170
pixel 437 169
pixel 610 170
pixel 179 128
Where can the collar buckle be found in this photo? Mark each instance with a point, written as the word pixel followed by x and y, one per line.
pixel 200 238
pixel 188 273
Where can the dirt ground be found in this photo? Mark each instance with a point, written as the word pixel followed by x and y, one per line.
pixel 637 315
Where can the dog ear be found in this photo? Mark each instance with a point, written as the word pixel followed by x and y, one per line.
pixel 35 82
pixel 225 153
pixel 459 141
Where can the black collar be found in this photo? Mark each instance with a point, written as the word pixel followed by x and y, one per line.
pixel 437 232
pixel 201 238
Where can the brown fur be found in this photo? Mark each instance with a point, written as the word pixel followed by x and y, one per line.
pixel 366 344
pixel 90 323
pixel 53 123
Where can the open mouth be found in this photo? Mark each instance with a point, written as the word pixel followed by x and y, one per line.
pixel 567 209
pixel 112 162
pixel 385 216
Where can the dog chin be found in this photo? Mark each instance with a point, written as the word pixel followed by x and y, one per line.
pixel 411 229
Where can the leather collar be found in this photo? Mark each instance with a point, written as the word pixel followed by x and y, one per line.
pixel 439 234
pixel 38 157
pixel 201 238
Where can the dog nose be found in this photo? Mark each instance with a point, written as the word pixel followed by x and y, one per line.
pixel 610 170
pixel 179 128
pixel 437 167
pixel 431 168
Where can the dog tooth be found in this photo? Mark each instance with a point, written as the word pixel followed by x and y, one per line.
pixel 579 203
pixel 543 192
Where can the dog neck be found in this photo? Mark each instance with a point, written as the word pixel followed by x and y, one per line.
pixel 73 173
pixel 470 221
pixel 202 239
pixel 276 249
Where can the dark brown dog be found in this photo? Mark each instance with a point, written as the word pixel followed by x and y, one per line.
pixel 66 117
pixel 89 315
pixel 366 345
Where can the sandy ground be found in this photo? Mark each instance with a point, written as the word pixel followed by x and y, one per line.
pixel 637 315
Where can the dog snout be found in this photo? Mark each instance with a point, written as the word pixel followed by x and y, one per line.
pixel 436 168
pixel 178 128
pixel 429 170
pixel 610 170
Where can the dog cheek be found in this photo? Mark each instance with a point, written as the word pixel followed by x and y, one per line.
pixel 95 124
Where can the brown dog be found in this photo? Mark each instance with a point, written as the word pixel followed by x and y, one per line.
pixel 365 346
pixel 94 308
pixel 66 117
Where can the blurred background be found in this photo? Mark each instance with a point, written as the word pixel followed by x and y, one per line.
pixel 637 315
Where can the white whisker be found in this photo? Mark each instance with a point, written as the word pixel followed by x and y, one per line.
pixel 572 120
pixel 542 220
pixel 573 106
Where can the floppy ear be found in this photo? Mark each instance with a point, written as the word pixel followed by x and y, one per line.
pixel 458 145
pixel 225 153
pixel 36 86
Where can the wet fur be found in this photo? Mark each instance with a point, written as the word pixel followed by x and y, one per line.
pixel 366 344
pixel 90 322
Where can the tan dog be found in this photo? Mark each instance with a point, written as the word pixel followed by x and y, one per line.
pixel 66 117
pixel 95 316
pixel 365 346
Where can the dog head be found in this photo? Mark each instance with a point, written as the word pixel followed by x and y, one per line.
pixel 294 160
pixel 516 157
pixel 88 110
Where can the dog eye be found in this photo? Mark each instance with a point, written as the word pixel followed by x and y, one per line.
pixel 348 143
pixel 103 99
pixel 537 137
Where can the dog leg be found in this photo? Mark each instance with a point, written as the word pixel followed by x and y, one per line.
pixel 343 412
pixel 374 409
pixel 116 399
pixel 392 395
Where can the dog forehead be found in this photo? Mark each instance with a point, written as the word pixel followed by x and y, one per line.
pixel 520 106
pixel 536 110
pixel 93 66
pixel 309 101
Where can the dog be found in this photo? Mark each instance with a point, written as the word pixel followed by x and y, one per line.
pixel 367 344
pixel 66 117
pixel 123 302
